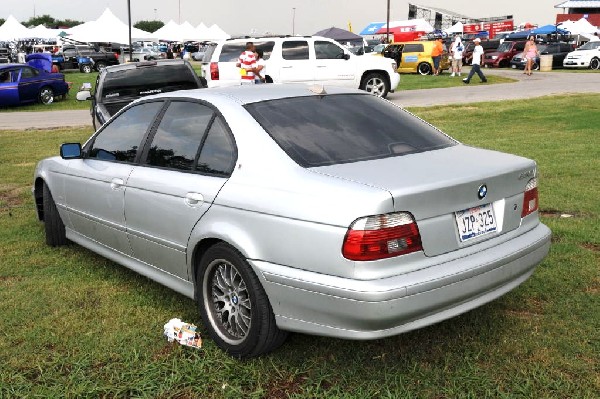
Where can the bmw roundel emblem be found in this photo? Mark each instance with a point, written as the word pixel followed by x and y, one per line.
pixel 482 192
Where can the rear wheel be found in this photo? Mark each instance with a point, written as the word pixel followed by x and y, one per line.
pixel 100 65
pixel 234 306
pixel 424 68
pixel 46 95
pixel 376 83
pixel 595 63
pixel 86 68
pixel 53 224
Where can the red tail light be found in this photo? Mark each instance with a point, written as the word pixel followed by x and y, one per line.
pixel 530 199
pixel 382 236
pixel 214 71
pixel 116 55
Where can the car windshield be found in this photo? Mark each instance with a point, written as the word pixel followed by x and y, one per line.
pixel 590 45
pixel 504 47
pixel 327 130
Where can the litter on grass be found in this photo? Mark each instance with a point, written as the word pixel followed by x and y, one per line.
pixel 184 333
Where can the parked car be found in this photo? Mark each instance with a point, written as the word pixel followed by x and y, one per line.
pixel 415 56
pixel 22 84
pixel 558 51
pixel 586 56
pixel 84 58
pixel 306 59
pixel 503 55
pixel 320 210
pixel 118 85
pixel 488 46
pixel 146 54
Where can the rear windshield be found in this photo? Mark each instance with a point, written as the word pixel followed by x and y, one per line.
pixel 143 81
pixel 328 130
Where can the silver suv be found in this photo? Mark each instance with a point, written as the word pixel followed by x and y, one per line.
pixel 302 59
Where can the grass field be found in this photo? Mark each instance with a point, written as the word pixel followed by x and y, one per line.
pixel 76 325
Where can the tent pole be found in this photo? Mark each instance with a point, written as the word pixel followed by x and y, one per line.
pixel 129 25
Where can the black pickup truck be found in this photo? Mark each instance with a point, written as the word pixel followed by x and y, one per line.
pixel 84 58
pixel 117 86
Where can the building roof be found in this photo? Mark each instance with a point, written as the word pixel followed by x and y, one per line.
pixel 579 4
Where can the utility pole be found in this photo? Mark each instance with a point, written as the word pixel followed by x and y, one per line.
pixel 293 21
pixel 387 31
pixel 129 23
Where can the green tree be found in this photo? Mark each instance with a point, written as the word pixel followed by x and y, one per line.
pixel 2 21
pixel 149 26
pixel 68 23
pixel 45 20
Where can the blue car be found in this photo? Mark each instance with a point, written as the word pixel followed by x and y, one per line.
pixel 23 84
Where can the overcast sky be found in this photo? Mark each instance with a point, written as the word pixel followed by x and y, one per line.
pixel 275 16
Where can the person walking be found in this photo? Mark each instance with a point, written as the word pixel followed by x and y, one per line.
pixel 436 55
pixel 457 50
pixel 531 51
pixel 247 64
pixel 476 65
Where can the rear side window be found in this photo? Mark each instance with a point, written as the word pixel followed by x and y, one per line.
pixel 413 48
pixel 230 52
pixel 145 80
pixel 295 50
pixel 327 130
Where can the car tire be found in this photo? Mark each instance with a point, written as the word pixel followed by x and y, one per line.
pixel 234 306
pixel 595 63
pixel 46 95
pixel 424 68
pixel 503 64
pixel 87 68
pixel 100 65
pixel 53 224
pixel 376 84
pixel 535 66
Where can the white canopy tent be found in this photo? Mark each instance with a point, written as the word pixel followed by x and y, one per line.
pixel 169 31
pixel 108 29
pixel 12 29
pixel 215 33
pixel 41 32
pixel 456 28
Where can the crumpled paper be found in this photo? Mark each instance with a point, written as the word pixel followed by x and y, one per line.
pixel 184 333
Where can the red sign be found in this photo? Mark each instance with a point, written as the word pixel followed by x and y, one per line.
pixel 491 27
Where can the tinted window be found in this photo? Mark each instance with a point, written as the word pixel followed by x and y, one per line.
pixel 28 73
pixel 326 130
pixel 520 46
pixel 231 52
pixel 147 80
pixel 218 152
pixel 295 50
pixel 121 138
pixel 69 53
pixel 413 48
pixel 328 50
pixel 178 136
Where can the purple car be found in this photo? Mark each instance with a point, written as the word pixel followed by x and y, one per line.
pixel 23 84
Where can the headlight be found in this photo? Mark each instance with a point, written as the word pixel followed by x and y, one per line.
pixel 394 66
pixel 494 57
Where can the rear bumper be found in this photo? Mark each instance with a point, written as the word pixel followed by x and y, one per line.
pixel 314 303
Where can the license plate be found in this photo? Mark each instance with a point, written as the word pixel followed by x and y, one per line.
pixel 513 66
pixel 475 222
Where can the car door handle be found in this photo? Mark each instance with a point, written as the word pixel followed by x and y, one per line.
pixel 193 199
pixel 116 183
pixel 286 67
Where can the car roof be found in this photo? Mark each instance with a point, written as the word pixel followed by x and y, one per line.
pixel 248 94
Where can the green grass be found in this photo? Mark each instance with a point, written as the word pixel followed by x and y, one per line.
pixel 414 81
pixel 74 324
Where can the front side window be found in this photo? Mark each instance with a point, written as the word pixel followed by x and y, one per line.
pixel 295 50
pixel 328 51
pixel 179 135
pixel 327 130
pixel 121 138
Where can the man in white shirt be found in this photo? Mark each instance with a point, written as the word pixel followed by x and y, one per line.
pixel 477 60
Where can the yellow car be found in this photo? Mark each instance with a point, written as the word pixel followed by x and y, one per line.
pixel 415 57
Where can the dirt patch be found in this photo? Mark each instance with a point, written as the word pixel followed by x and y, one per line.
pixel 284 388
pixel 11 195
pixel 6 281
pixel 591 246
pixel 555 213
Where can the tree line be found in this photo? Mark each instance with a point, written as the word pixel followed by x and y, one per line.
pixel 52 23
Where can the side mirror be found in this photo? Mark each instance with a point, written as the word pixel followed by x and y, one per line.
pixel 70 150
pixel 83 95
pixel 346 56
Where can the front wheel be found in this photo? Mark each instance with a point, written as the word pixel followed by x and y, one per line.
pixel 376 83
pixel 535 66
pixel 53 224
pixel 46 95
pixel 595 63
pixel 87 68
pixel 424 68
pixel 234 306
